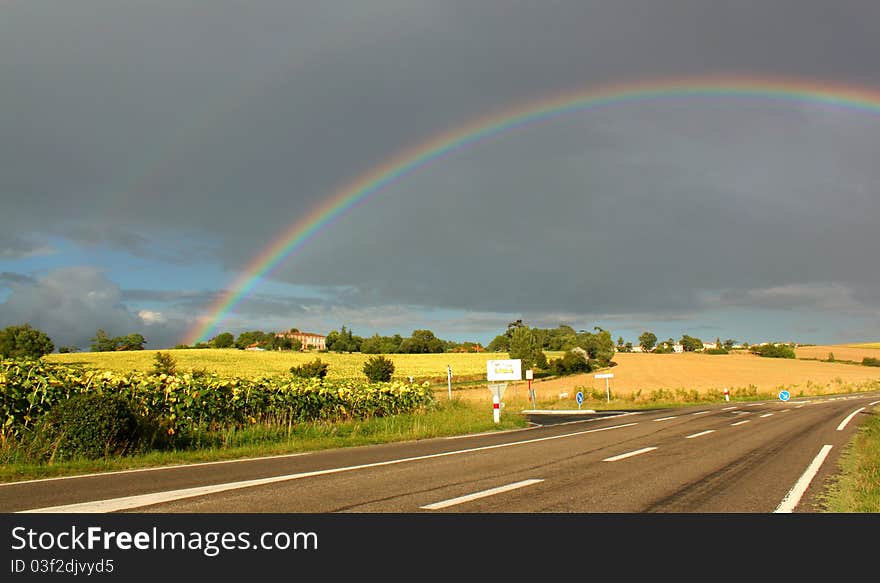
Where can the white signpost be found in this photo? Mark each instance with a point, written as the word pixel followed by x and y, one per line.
pixel 501 370
pixel 606 376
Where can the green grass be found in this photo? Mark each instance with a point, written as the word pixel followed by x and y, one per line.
pixel 857 487
pixel 454 417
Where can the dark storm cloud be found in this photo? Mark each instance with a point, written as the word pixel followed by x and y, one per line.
pixel 144 125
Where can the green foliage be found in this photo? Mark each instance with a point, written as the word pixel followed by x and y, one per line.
pixel 647 340
pixel 500 343
pixel 379 369
pixel 103 343
pixel 246 339
pixel 186 402
pixel 24 342
pixel 315 369
pixel 223 340
pixel 87 425
pixel 570 363
pixel 525 346
pixel 164 364
pixel 773 351
pixel 690 343
pixel 716 351
pixel 868 361
pixel 343 341
pixel 421 342
pixel 599 346
pixel 67 349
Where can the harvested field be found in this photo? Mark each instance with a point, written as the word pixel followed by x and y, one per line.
pixel 853 352
pixel 702 372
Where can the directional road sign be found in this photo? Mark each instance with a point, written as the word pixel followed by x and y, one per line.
pixel 784 395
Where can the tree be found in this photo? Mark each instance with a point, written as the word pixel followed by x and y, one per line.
pixel 647 340
pixel 690 343
pixel 525 346
pixel 422 342
pixel 102 343
pixel 24 342
pixel 500 343
pixel 223 340
pixel 728 344
pixel 246 339
pixel 343 341
pixel 130 342
pixel 599 346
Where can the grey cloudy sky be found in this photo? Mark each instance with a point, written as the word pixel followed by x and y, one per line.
pixel 149 149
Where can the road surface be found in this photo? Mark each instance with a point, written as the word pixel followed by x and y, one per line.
pixel 731 457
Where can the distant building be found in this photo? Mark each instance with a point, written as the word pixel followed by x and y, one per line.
pixel 638 349
pixel 709 345
pixel 677 348
pixel 306 339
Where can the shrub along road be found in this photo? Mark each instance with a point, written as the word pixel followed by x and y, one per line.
pixel 732 457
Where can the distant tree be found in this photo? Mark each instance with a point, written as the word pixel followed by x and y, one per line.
pixel 599 346
pixel 620 341
pixel 315 369
pixel 728 344
pixel 690 343
pixel 422 342
pixel 500 343
pixel 223 340
pixel 774 351
pixel 343 341
pixel 67 349
pixel 525 346
pixel 628 347
pixel 24 342
pixel 647 340
pixel 102 343
pixel 246 339
pixel 130 342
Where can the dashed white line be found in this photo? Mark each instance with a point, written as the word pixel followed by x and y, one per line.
pixel 849 418
pixel 629 454
pixel 700 413
pixel 666 418
pixel 128 502
pixel 478 495
pixel 729 408
pixel 766 415
pixel 794 495
pixel 707 432
pixel 740 422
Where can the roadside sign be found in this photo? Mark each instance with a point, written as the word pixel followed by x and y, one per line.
pixel 579 397
pixel 606 375
pixel 504 370
pixel 530 374
pixel 784 395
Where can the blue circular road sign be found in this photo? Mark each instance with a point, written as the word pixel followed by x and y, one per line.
pixel 579 397
pixel 784 395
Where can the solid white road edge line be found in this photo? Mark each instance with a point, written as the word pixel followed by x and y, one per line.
pixel 629 454
pixel 157 468
pixel 478 495
pixel 707 432
pixel 790 502
pixel 128 502
pixel 849 418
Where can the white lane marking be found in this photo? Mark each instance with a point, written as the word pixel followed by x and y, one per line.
pixel 707 432
pixel 872 404
pixel 478 495
pixel 766 415
pixel 699 413
pixel 849 418
pixel 157 468
pixel 740 422
pixel 729 408
pixel 128 502
pixel 666 418
pixel 784 410
pixel 754 404
pixel 791 499
pixel 629 454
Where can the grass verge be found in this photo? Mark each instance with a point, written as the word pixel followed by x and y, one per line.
pixel 454 417
pixel 857 487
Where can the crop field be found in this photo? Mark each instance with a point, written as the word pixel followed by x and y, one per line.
pixel 245 363
pixel 854 352
pixel 703 373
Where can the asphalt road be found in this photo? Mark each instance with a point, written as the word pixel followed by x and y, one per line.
pixel 762 457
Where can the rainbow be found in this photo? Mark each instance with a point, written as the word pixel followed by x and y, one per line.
pixel 413 159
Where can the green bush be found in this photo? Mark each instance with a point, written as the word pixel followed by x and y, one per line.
pixel 868 361
pixel 379 369
pixel 315 369
pixel 771 351
pixel 570 363
pixel 165 364
pixel 716 351
pixel 88 425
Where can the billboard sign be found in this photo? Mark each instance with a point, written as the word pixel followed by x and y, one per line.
pixel 504 370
